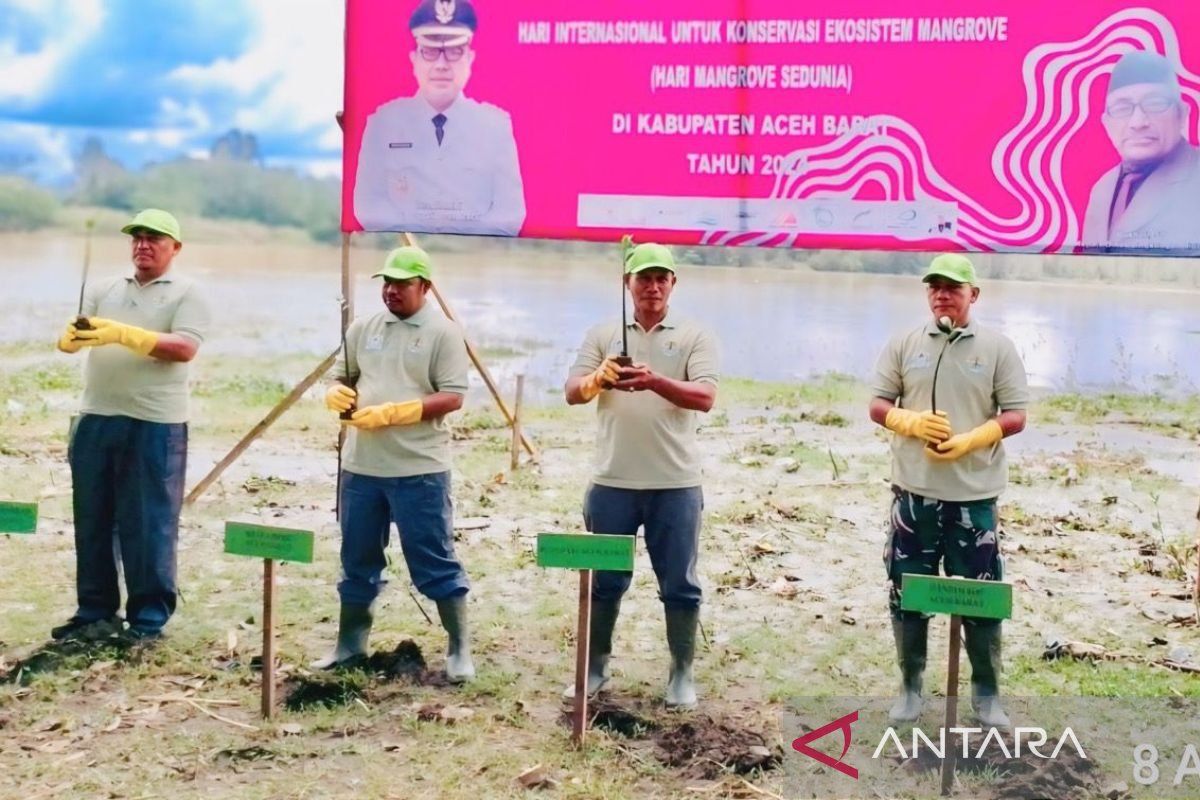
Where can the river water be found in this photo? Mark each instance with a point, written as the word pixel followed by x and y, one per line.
pixel 527 313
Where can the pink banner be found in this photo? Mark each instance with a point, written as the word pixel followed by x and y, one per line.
pixel 1021 126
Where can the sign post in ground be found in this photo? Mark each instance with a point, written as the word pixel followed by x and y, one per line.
pixel 271 545
pixel 585 552
pixel 958 597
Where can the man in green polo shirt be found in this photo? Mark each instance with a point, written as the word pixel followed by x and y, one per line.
pixel 647 471
pixel 128 452
pixel 948 468
pixel 403 370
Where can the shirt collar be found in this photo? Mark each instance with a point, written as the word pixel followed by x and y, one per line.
pixel 459 103
pixel 164 278
pixel 416 320
pixel 667 322
pixel 932 329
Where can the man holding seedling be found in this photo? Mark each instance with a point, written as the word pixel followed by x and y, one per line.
pixel 128 447
pixel 950 390
pixel 401 372
pixel 649 378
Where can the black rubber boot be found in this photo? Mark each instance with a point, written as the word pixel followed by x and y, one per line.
pixel 681 640
pixel 912 637
pixel 453 611
pixel 600 636
pixel 983 649
pixel 354 627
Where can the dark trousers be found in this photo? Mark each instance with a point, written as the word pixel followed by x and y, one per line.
pixel 420 507
pixel 127 489
pixel 670 519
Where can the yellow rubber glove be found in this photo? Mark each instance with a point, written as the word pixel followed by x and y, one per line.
pixel 381 416
pixel 106 331
pixel 932 426
pixel 603 378
pixel 340 397
pixel 958 446
pixel 67 342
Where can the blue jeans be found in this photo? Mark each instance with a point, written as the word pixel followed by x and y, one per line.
pixel 127 488
pixel 670 519
pixel 420 507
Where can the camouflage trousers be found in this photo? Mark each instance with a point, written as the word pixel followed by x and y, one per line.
pixel 925 532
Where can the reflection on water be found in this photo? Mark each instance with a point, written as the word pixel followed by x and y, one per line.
pixel 529 313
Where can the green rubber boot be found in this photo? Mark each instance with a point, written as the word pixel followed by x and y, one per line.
pixel 453 611
pixel 600 636
pixel 912 637
pixel 983 649
pixel 354 626
pixel 681 641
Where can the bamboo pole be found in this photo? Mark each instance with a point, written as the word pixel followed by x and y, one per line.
pixel 474 356
pixel 275 413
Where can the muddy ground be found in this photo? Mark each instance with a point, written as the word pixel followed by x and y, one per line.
pixel 1098 534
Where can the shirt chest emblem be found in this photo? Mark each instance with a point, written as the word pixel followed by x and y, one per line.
pixel 919 361
pixel 374 343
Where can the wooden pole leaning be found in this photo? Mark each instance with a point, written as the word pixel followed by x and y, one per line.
pixel 408 239
pixel 275 413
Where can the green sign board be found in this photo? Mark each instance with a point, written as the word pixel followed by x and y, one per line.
pixel 585 551
pixel 18 517
pixel 262 541
pixel 960 596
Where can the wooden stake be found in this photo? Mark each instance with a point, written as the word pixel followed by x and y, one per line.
pixel 951 701
pixel 516 426
pixel 275 413
pixel 268 654
pixel 347 318
pixel 582 645
pixel 1196 590
pixel 479 365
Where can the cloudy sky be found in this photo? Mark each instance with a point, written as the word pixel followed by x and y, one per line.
pixel 159 78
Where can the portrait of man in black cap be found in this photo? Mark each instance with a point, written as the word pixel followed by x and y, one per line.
pixel 440 161
pixel 1150 202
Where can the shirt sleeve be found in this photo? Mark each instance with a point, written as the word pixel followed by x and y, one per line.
pixel 704 362
pixel 193 315
pixel 448 369
pixel 1012 384
pixel 591 353
pixel 888 382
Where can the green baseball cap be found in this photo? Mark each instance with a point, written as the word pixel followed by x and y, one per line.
pixel 649 255
pixel 157 220
pixel 404 263
pixel 954 266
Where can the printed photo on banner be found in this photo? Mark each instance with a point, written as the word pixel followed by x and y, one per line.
pixel 440 161
pixel 777 124
pixel 1150 201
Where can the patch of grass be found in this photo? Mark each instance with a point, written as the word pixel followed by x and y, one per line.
pixel 825 418
pixel 1032 676
pixel 1156 411
pixel 831 389
pixel 30 382
pixel 247 389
